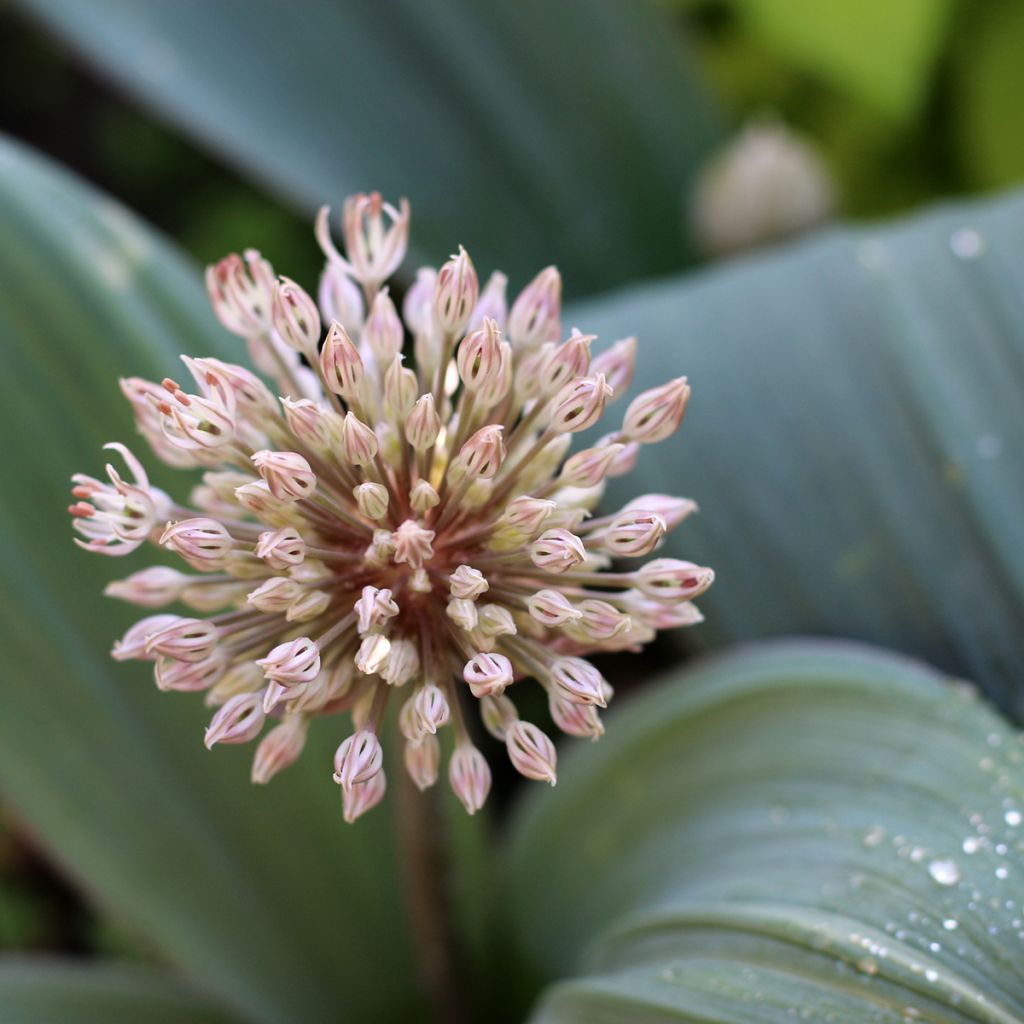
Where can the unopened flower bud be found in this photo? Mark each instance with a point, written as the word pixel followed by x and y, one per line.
pixel 564 363
pixel 469 776
pixel 383 330
pixel 413 544
pixel 672 510
pixel 423 497
pixel 527 514
pixel 372 499
pixel 274 594
pixel 133 645
pixel 255 497
pixel 241 292
pixel 483 454
pixel 656 414
pixel 432 708
pixel 399 391
pixel 241 677
pixel 280 748
pixel 358 759
pixel 150 588
pixel 599 621
pixel 288 474
pixel 190 676
pixel 422 759
pixel 492 303
pixel 455 294
pixel 281 549
pixel 310 604
pixel 339 298
pixel 590 466
pixel 468 583
pixel 577 680
pixel 531 751
pixel 488 674
pixel 495 620
pixel 403 663
pixel 357 443
pixel 423 424
pixel 633 532
pixel 311 424
pixel 552 608
pixel 557 551
pixel 575 719
pixel 373 653
pixel 416 308
pixel 668 579
pixel 579 404
pixel 617 363
pixel 296 318
pixel 340 364
pixel 479 357
pixel 238 721
pixel 497 714
pixel 204 543
pixel 292 663
pixel 462 612
pixel 362 797
pixel 184 639
pixel 536 313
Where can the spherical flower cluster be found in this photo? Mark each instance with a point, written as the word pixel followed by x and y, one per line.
pixel 386 531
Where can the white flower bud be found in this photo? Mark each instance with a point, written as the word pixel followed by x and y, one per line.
pixel 431 708
pixel 357 443
pixel 281 549
pixel 358 759
pixel 488 674
pixel 288 474
pixel 531 752
pixel 557 551
pixel 340 364
pixel 468 583
pixel 579 404
pixel 238 721
pixel 279 749
pixel 656 414
pixel 455 294
pixel 668 579
pixel 423 497
pixel 422 759
pixel 362 797
pixel 536 313
pixel 295 317
pixel 383 330
pixel 552 608
pixel 617 364
pixel 577 680
pixel 373 653
pixel 469 776
pixel 423 424
pixel 372 499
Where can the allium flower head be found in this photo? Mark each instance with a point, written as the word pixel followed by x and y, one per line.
pixel 403 525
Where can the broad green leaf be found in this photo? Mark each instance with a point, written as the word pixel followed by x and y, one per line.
pixel 44 991
pixel 876 50
pixel 854 436
pixel 805 826
pixel 531 131
pixel 263 894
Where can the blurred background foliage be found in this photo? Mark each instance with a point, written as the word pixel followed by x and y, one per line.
pixel 899 103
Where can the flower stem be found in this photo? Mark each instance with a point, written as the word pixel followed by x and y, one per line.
pixel 424 864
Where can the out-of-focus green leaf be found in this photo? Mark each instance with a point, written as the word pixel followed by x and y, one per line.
pixel 876 50
pixel 40 991
pixel 988 81
pixel 261 893
pixel 528 130
pixel 854 438
pixel 806 826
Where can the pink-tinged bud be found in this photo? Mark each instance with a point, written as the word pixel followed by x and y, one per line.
pixel 668 579
pixel 399 391
pixel 575 719
pixel 204 543
pixel 150 588
pixel 625 461
pixel 238 721
pixel 372 500
pixel 617 363
pixel 536 313
pixel 310 423
pixel 133 645
pixel 469 776
pixel 492 304
pixel 497 714
pixel 374 608
pixel 483 454
pixel 413 544
pixel 358 759
pixel 564 363
pixel 373 653
pixel 279 749
pixel 376 237
pixel 275 693
pixel 656 414
pixel 256 498
pixel 340 364
pixel 296 318
pixel 309 605
pixel 488 674
pixel 281 549
pixel 455 294
pixel 288 474
pixel 252 396
pixel 557 551
pixel 496 386
pixel 577 680
pixel 672 510
pixel 403 663
pixel 431 708
pixel 381 548
pixel 292 663
pixel 479 358
pixel 416 309
pixel 528 515
pixel 589 467
pixel 339 298
pixel 383 331
pixel 462 612
pixel 242 293
pixel 423 424
pixel 423 497
pixel 204 596
pixel 531 752
pixel 184 639
pixel 190 676
pixel 409 724
pixel 633 532
pixel 241 677
pixel 363 797
pixel 552 608
pixel 468 583
pixel 579 404
pixel 599 621
pixel 495 620
pixel 357 443
pixel 422 759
